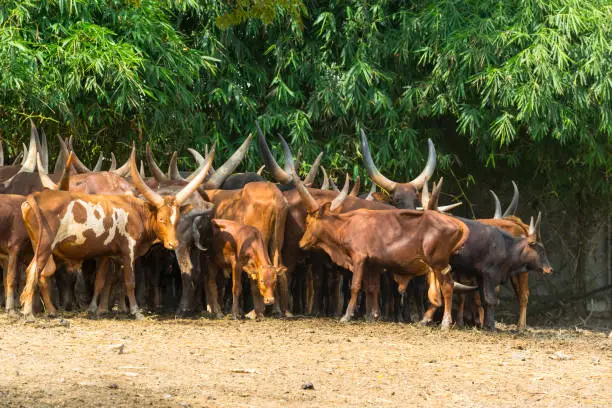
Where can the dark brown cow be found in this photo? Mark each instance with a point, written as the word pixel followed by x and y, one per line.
pixel 407 242
pixel 239 248
pixel 73 227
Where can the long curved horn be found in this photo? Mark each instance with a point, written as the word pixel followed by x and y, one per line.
pixel 150 195
pixel 196 234
pixel 310 177
pixel 124 170
pixel 44 177
pixel 142 170
pixel 212 168
pixel 498 213
pixel 268 158
pixel 260 170
pixel 310 203
pixel 228 167
pixel 355 190
pixel 370 196
pixel 537 226
pixel 64 182
pixel 531 226
pixel 430 166
pixel 62 156
pixel 425 196
pixel 461 288
pixel 29 165
pixel 325 185
pixel 445 208
pixel 98 166
pixel 24 155
pixel 333 185
pixel 1 154
pixel 371 167
pixel 435 195
pixel 289 163
pixel 17 159
pixel 45 149
pixel 113 165
pixel 512 207
pixel 173 171
pixel 157 173
pixel 200 160
pixel 186 191
pixel 337 202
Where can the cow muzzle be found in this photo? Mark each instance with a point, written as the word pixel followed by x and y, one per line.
pixel 547 270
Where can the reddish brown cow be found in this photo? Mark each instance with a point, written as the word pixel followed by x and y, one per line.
pixel 260 205
pixel 13 243
pixel 73 227
pixel 238 247
pixel 407 242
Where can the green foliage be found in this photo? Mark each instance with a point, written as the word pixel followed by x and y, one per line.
pixel 520 85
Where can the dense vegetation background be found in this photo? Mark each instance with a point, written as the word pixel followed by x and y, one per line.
pixel 523 86
pixel 507 89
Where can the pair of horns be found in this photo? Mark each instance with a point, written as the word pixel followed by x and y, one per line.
pixel 284 176
pixel 535 228
pixel 215 181
pixel 310 202
pixel 430 202
pixel 390 185
pixel 46 181
pixel 156 199
pixel 29 163
pixel 512 207
pixel 77 164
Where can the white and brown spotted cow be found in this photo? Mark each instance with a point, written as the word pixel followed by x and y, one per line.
pixel 72 227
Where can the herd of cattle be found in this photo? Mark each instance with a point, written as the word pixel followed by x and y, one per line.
pixel 117 234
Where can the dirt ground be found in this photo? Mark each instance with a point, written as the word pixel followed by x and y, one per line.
pixel 163 362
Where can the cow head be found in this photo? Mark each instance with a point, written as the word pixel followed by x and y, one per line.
pixel 403 195
pixel 314 228
pixel 534 253
pixel 166 210
pixel 265 276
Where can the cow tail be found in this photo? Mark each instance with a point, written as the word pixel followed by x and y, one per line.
pixel 32 274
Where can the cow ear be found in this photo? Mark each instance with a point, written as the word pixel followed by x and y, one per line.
pixel 324 209
pixel 281 270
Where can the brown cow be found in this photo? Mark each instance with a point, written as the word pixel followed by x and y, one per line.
pixel 13 243
pixel 407 242
pixel 240 248
pixel 74 227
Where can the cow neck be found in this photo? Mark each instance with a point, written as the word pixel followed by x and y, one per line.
pixel 518 252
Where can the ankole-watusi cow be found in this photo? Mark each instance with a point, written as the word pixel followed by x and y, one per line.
pixel 236 248
pixel 72 227
pixel 406 242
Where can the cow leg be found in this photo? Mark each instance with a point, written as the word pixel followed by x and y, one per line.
pixel 490 301
pixel 46 273
pixel 282 296
pixel 336 300
pixel 236 289
pixel 258 303
pixel 520 284
pixel 434 296
pixel 372 295
pixel 98 286
pixel 460 310
pixel 309 289
pixel 11 280
pixel 212 291
pixel 447 292
pixel 355 287
pixel 183 256
pixel 130 284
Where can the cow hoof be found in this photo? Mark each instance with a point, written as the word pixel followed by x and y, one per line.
pixel 424 322
pixel 288 314
pixel 345 319
pixel 92 315
pixel 138 316
pixel 28 318
pixel 251 315
pixel 219 315
pixel 236 316
pixel 11 312
pixel 445 327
